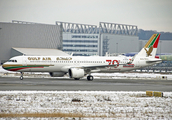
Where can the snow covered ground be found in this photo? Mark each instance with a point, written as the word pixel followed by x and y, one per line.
pixel 90 104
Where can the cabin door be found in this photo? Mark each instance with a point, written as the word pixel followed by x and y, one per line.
pixel 24 61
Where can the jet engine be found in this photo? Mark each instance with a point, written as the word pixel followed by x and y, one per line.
pixel 76 73
pixel 57 74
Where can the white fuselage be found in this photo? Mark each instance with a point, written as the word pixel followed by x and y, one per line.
pixel 62 64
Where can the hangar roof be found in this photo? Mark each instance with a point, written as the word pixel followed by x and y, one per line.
pixel 40 51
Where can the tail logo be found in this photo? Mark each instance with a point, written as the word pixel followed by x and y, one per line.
pixel 148 52
pixel 151 44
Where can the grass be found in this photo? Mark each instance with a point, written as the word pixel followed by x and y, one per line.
pixel 71 115
pixel 41 115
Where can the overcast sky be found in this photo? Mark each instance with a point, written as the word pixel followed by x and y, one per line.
pixel 146 14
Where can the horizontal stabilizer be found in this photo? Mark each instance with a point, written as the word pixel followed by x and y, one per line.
pixel 154 61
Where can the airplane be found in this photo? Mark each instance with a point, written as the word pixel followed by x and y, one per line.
pixel 79 66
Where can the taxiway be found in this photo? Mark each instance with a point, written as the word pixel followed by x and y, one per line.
pixel 13 83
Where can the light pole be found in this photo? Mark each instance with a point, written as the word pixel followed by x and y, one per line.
pixel 116 48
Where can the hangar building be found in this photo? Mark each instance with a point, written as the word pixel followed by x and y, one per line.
pixel 19 34
pixel 117 38
pixel 80 39
pixel 86 40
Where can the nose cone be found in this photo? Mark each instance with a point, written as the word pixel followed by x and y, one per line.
pixel 4 66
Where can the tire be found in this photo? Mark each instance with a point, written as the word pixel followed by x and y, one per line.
pixel 90 78
pixel 21 77
pixel 76 78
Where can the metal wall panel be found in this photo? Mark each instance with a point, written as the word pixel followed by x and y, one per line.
pixel 119 43
pixel 28 36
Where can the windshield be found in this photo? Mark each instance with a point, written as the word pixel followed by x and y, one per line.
pixel 12 61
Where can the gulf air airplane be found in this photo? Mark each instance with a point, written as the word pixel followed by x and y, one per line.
pixel 79 66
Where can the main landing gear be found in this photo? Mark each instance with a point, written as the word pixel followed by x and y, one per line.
pixel 21 77
pixel 90 78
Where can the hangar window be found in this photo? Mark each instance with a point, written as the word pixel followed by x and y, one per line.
pixel 81 41
pixel 84 36
pixel 66 45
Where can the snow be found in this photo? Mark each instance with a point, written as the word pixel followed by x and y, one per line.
pixel 133 76
pixel 110 104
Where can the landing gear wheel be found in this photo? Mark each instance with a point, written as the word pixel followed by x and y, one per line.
pixel 90 78
pixel 76 78
pixel 21 77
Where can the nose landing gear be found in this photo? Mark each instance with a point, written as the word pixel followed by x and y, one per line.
pixel 21 77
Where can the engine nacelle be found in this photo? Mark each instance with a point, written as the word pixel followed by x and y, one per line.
pixel 76 73
pixel 57 74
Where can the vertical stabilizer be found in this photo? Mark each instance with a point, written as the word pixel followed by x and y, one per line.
pixel 149 50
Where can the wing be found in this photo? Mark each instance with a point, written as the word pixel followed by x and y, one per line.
pixel 99 66
pixel 88 68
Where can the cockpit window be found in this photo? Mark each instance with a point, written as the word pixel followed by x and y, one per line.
pixel 12 60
